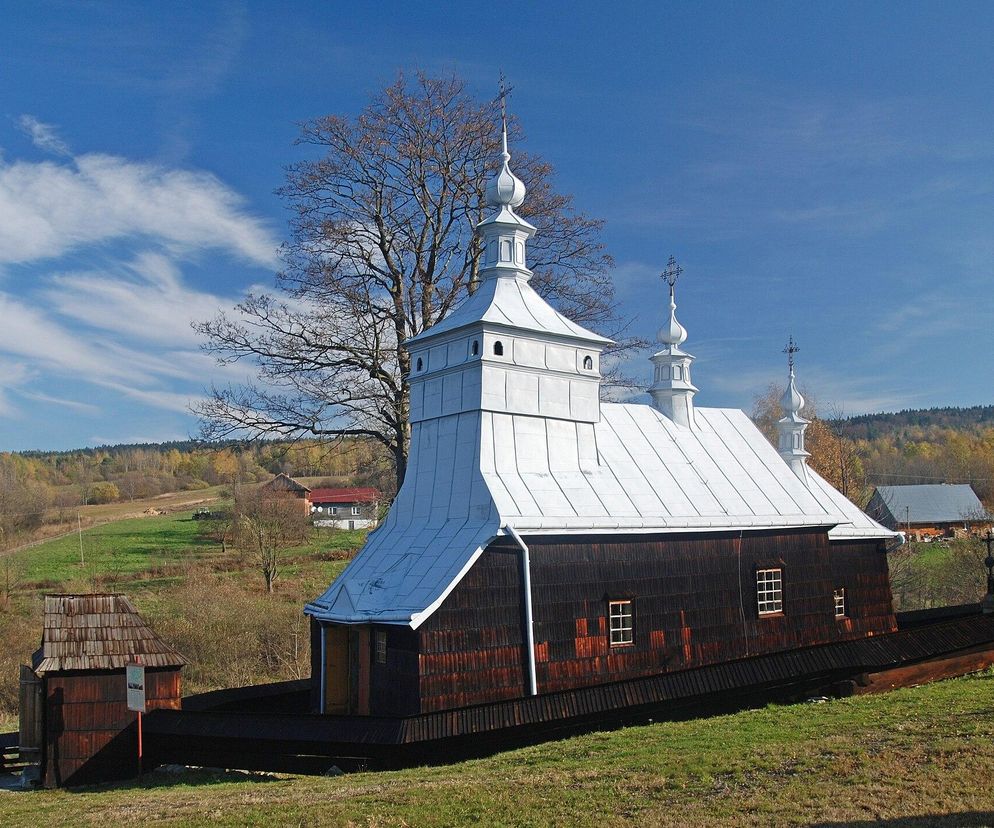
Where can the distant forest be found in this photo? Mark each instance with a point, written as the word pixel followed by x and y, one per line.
pixel 935 445
pixel 871 426
pixel 938 445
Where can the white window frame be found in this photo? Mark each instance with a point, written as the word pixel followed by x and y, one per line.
pixel 380 645
pixel 621 623
pixel 839 596
pixel 356 510
pixel 769 591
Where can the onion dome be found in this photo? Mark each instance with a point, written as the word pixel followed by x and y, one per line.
pixel 792 401
pixel 672 333
pixel 505 188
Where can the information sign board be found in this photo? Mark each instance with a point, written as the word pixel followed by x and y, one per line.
pixel 135 676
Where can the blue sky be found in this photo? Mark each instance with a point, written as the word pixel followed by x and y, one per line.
pixel 825 170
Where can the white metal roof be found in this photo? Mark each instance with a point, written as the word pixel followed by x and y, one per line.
pixel 512 303
pixel 630 470
pixel 634 472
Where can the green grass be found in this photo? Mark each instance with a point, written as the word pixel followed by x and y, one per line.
pixel 119 549
pixel 152 552
pixel 925 753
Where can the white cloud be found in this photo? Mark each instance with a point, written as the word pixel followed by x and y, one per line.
pixel 75 405
pixel 144 299
pixel 157 398
pixel 117 328
pixel 42 135
pixel 31 334
pixel 50 208
pixel 12 374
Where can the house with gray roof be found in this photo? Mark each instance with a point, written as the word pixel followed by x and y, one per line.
pixel 929 510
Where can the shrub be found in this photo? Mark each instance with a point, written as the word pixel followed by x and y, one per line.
pixel 104 492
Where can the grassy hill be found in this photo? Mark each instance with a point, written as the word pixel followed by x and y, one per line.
pixel 208 602
pixel 915 757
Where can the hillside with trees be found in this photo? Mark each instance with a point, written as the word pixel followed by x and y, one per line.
pixel 39 488
pixel 936 445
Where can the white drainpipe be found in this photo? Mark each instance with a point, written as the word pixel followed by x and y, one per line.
pixel 324 655
pixel 529 620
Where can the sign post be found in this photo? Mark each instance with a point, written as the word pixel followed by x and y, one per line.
pixel 135 677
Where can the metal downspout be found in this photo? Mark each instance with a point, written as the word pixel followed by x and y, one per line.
pixel 324 656
pixel 529 619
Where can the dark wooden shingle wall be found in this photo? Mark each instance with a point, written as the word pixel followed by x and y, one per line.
pixel 694 603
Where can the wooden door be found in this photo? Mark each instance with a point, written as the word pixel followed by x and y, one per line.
pixel 336 669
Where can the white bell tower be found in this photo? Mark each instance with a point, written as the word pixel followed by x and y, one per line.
pixel 792 425
pixel 505 349
pixel 671 390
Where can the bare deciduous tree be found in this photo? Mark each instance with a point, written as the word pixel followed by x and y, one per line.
pixel 267 523
pixel 382 247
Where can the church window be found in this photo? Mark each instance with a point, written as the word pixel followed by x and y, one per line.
pixel 588 363
pixel 622 626
pixel 678 372
pixel 381 648
pixel 476 347
pixel 498 348
pixel 839 596
pixel 769 591
pixel 420 366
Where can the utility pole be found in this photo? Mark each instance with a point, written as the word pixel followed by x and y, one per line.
pixel 79 529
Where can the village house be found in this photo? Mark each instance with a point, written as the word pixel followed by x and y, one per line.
pixel 351 508
pixel 285 486
pixel 544 540
pixel 931 511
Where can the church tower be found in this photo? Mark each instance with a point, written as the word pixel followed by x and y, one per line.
pixel 505 349
pixel 792 425
pixel 671 390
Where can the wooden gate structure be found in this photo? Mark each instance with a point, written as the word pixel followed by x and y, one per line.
pixel 74 721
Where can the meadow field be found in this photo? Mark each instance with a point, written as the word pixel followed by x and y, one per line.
pixel 209 602
pixel 917 757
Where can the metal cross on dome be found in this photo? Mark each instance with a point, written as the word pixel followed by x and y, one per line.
pixel 790 349
pixel 672 272
pixel 505 90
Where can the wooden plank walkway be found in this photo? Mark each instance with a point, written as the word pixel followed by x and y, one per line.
pixel 309 742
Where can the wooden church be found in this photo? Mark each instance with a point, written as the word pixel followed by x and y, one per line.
pixel 544 540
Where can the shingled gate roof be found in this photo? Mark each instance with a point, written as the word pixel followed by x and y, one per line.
pixel 98 632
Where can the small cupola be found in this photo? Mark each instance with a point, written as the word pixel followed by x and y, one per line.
pixel 504 234
pixel 792 425
pixel 672 391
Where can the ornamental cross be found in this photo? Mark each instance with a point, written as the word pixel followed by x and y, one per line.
pixel 672 272
pixel 790 349
pixel 505 90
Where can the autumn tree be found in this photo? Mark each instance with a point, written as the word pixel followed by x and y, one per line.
pixel 382 247
pixel 23 500
pixel 833 455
